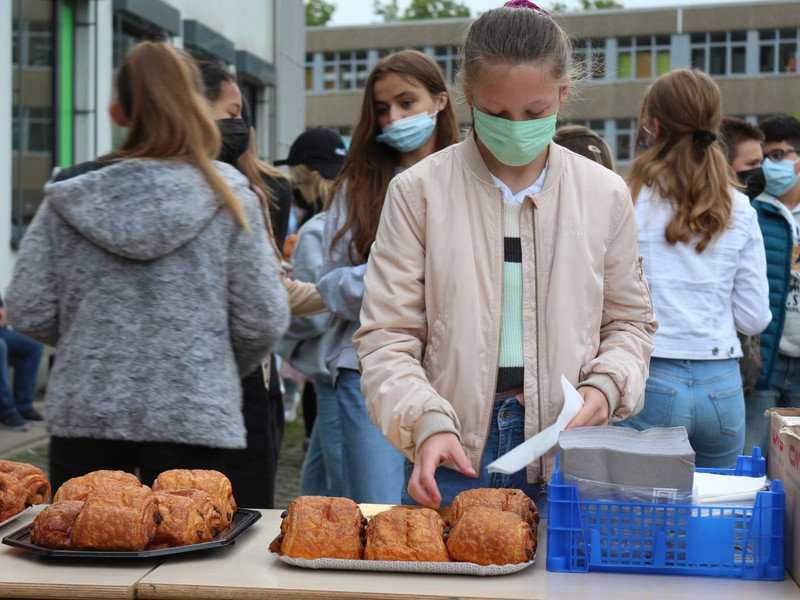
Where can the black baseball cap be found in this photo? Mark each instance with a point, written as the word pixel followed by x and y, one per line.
pixel 321 149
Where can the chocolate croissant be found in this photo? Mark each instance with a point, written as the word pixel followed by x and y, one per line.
pixel 321 527
pixel 32 479
pixel 181 524
pixel 52 528
pixel 411 534
pixel 487 536
pixel 122 518
pixel 79 488
pixel 510 500
pixel 211 514
pixel 213 482
pixel 12 496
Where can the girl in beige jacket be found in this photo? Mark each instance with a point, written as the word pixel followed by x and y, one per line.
pixel 499 264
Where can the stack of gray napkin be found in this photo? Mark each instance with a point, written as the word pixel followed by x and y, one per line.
pixel 653 459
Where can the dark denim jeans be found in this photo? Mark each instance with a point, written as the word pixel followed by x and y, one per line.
pixel 23 354
pixel 506 432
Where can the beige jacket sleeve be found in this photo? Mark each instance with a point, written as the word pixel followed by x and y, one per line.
pixel 394 330
pixel 626 331
pixel 304 300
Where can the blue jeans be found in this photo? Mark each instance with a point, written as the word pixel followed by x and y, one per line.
pixel 705 397
pixel 321 474
pixel 506 432
pixel 783 391
pixel 372 469
pixel 23 354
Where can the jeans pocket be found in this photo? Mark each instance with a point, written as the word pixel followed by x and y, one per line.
pixel 730 410
pixel 657 411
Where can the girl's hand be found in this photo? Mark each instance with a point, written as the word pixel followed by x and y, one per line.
pixel 594 411
pixel 433 452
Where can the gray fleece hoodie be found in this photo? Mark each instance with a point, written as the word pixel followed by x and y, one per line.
pixel 157 301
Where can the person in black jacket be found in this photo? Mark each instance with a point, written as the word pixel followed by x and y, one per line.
pixel 252 471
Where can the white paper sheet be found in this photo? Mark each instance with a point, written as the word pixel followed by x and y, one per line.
pixel 527 452
pixel 711 488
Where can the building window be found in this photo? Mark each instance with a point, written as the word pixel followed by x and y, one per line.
pixel 643 56
pixel 35 134
pixel 447 59
pixel 625 140
pixel 32 43
pixel 778 50
pixel 589 55
pixel 345 70
pixel 719 53
pixel 309 72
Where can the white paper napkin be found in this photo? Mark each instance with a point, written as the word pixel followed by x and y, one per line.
pixel 527 452
pixel 710 488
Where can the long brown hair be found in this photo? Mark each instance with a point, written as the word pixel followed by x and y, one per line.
pixel 684 162
pixel 160 92
pixel 370 165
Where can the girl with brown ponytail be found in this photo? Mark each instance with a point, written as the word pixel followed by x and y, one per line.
pixel 151 272
pixel 704 258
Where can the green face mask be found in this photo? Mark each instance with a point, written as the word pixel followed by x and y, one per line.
pixel 514 143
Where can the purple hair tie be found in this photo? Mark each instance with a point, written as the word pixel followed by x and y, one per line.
pixel 525 4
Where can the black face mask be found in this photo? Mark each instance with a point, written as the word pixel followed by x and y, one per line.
pixel 754 181
pixel 235 139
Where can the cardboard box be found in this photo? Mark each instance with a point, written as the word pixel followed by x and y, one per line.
pixel 784 464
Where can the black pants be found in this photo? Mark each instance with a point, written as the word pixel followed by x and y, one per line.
pixel 309 406
pixel 73 457
pixel 252 471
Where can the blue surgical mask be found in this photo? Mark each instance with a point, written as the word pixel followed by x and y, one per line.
pixel 408 134
pixel 514 143
pixel 780 176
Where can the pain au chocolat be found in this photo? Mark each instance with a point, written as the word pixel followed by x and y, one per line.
pixel 217 485
pixel 488 536
pixel 321 527
pixel 12 496
pixel 52 528
pixel 31 478
pixel 408 534
pixel 508 500
pixel 79 488
pixel 116 519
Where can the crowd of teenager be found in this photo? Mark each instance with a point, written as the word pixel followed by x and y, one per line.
pixel 435 286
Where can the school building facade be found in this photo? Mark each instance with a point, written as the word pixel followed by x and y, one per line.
pixel 751 50
pixel 57 64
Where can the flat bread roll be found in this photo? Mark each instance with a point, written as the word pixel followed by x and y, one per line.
pixel 487 536
pixel 79 488
pixel 510 500
pixel 52 528
pixel 410 534
pixel 213 482
pixel 32 479
pixel 321 527
pixel 12 496
pixel 122 518
pixel 211 514
pixel 181 523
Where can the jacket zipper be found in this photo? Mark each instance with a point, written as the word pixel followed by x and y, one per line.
pixel 538 332
pixel 493 389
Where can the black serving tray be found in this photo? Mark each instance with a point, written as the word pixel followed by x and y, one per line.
pixel 242 520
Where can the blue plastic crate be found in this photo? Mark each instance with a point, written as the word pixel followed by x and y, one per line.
pixel 680 539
